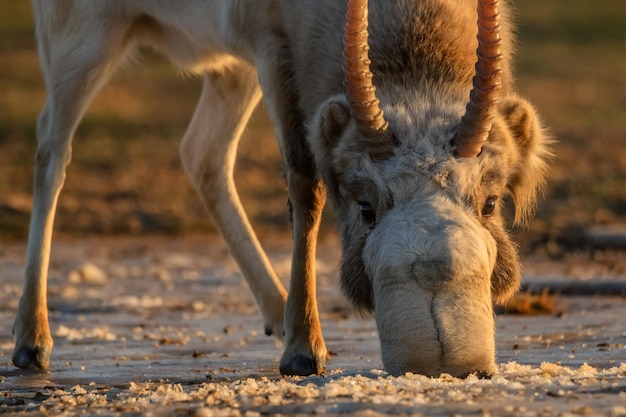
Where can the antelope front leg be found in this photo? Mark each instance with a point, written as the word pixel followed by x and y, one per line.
pixel 72 79
pixel 305 351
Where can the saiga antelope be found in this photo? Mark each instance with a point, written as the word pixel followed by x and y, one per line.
pixel 416 168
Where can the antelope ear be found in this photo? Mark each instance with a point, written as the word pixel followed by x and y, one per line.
pixel 330 124
pixel 533 145
pixel 326 130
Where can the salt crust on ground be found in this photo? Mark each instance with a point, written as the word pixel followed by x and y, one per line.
pixel 515 390
pixel 171 331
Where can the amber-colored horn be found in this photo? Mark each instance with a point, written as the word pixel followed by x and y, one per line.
pixel 360 91
pixel 481 109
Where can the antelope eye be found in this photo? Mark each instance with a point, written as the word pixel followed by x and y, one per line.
pixel 489 206
pixel 367 212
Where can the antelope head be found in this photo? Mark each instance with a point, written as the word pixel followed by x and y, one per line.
pixel 418 183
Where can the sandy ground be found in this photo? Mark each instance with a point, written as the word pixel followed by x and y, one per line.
pixel 168 327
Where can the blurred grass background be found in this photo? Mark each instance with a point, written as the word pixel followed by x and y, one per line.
pixel 126 178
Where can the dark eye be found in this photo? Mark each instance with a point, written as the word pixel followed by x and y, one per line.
pixel 367 212
pixel 489 206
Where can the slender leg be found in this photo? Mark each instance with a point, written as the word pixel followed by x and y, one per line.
pixel 73 72
pixel 208 152
pixel 305 351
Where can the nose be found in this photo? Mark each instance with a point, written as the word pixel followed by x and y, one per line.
pixel 430 267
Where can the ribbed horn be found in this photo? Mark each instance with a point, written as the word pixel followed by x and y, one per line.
pixel 481 109
pixel 360 91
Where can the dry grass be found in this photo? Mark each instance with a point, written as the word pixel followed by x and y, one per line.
pixel 529 304
pixel 126 177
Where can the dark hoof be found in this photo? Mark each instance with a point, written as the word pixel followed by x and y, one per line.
pixel 303 366
pixel 26 358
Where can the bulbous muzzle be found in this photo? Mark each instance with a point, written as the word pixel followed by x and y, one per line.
pixel 431 265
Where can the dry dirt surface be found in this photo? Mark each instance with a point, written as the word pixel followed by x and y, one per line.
pixel 164 327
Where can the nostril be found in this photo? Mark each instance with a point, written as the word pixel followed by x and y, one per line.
pixel 436 325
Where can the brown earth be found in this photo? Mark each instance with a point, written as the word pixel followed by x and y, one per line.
pixel 126 177
pixel 167 326
pixel 128 208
